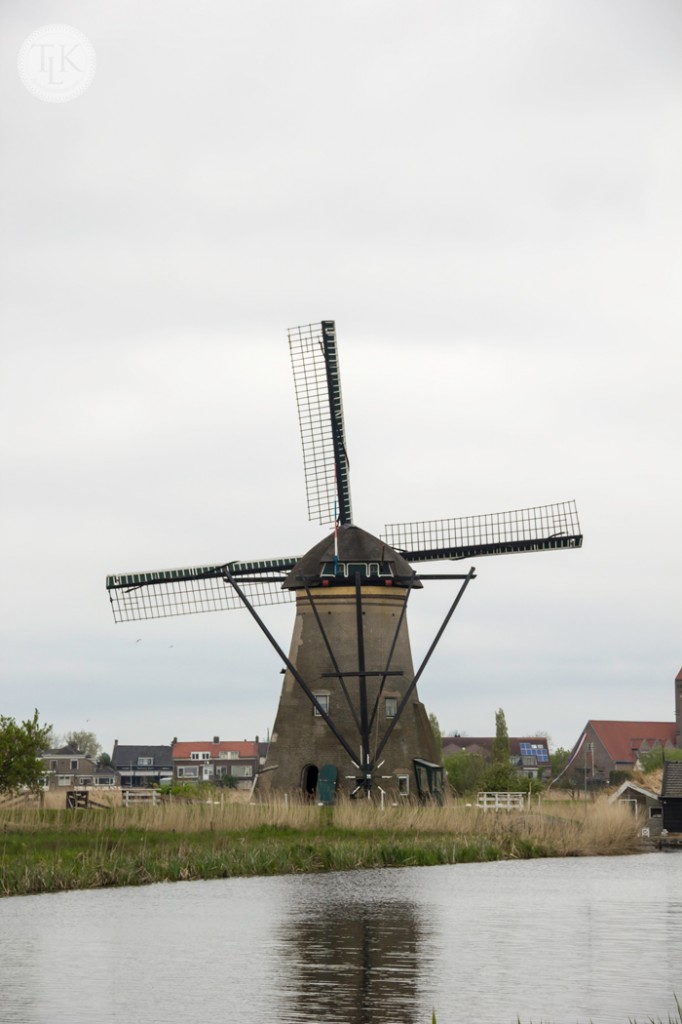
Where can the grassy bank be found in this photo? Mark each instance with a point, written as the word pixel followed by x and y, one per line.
pixel 51 851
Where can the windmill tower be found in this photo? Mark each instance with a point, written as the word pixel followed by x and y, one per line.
pixel 349 717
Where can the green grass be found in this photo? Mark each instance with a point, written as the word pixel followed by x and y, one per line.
pixel 54 850
pixel 51 861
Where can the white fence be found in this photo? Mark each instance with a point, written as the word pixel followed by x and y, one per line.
pixel 140 796
pixel 501 801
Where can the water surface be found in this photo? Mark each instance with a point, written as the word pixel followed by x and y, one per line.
pixel 595 939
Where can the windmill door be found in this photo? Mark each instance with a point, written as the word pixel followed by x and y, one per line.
pixel 326 784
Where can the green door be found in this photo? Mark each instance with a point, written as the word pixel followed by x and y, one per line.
pixel 326 784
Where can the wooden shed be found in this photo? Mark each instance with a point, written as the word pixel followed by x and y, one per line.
pixel 671 796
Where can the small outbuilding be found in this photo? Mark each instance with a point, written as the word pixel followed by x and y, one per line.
pixel 643 802
pixel 671 796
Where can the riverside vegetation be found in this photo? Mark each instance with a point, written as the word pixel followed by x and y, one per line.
pixel 49 851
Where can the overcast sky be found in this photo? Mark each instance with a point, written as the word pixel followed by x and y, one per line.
pixel 486 198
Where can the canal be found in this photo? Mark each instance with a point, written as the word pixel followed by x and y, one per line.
pixel 562 941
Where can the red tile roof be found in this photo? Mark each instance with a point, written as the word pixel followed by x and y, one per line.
pixel 623 739
pixel 244 748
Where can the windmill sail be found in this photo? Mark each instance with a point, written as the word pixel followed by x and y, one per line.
pixel 168 592
pixel 315 362
pixel 543 528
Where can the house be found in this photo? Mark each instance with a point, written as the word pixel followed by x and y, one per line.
pixel 528 754
pixel 609 746
pixel 70 768
pixel 671 796
pixel 643 802
pixel 142 764
pixel 217 761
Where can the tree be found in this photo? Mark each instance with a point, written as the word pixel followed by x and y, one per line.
pixel 501 749
pixel 651 760
pixel 436 729
pixel 20 750
pixel 558 760
pixel 465 772
pixel 500 776
pixel 84 742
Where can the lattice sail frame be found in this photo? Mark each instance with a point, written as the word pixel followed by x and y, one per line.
pixel 317 383
pixel 542 528
pixel 169 592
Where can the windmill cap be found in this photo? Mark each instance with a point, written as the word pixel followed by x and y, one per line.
pixel 356 547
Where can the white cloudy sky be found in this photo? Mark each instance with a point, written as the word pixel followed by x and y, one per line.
pixel 486 197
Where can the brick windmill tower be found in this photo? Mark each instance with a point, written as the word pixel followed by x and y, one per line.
pixel 349 718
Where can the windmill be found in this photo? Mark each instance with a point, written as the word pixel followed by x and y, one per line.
pixel 349 716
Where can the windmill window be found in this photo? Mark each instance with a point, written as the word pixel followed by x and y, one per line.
pixel 404 785
pixel 74 766
pixel 323 700
pixel 391 704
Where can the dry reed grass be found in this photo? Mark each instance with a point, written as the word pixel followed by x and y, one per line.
pixel 569 829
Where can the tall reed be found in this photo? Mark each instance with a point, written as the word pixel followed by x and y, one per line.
pixel 49 850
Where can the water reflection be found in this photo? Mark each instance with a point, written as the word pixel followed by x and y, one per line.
pixel 351 961
pixel 563 941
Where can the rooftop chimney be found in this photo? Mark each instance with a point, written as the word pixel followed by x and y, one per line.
pixel 216 739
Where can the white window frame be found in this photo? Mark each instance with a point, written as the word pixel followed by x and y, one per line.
pixel 242 771
pixel 323 699
pixel 394 705
pixel 403 785
pixel 188 771
pixel 64 780
pixel 145 762
pixel 200 755
pixel 74 765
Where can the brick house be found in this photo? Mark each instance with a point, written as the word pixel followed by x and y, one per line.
pixel 142 764
pixel 68 767
pixel 528 754
pixel 608 746
pixel 216 761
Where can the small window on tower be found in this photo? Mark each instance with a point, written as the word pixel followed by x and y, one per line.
pixel 404 785
pixel 391 707
pixel 323 700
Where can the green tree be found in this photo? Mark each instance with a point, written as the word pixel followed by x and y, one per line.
pixel 20 750
pixel 653 759
pixel 465 772
pixel 436 729
pixel 84 742
pixel 501 750
pixel 558 759
pixel 501 776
